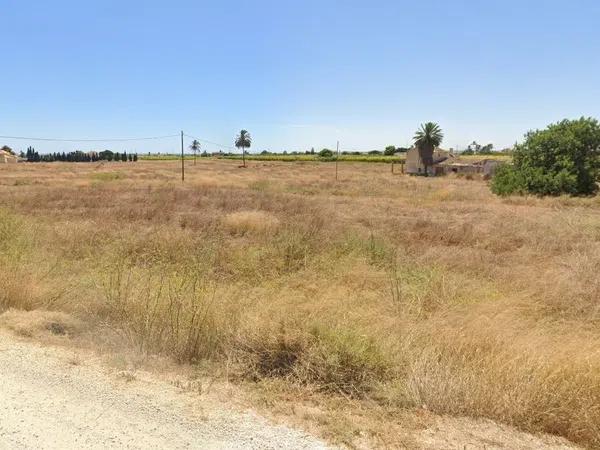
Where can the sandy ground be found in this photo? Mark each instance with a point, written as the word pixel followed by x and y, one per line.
pixel 48 402
pixel 59 398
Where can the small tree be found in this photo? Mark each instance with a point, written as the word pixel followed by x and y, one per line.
pixel 427 138
pixel 195 147
pixel 390 150
pixel 562 159
pixel 243 141
pixel 474 147
pixel 487 149
pixel 135 157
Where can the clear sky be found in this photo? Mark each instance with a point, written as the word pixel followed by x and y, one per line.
pixel 296 74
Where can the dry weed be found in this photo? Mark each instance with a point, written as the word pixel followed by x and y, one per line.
pixel 383 289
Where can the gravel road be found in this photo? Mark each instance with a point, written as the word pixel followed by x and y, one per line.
pixel 47 402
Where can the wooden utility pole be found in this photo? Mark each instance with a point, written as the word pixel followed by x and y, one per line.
pixel 337 156
pixel 182 164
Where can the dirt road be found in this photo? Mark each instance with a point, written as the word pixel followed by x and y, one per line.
pixel 61 398
pixel 49 402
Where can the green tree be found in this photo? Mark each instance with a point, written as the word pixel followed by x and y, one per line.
pixel 243 141
pixel 106 155
pixel 195 147
pixel 474 148
pixel 564 158
pixel 487 149
pixel 7 149
pixel 390 150
pixel 427 138
pixel 326 153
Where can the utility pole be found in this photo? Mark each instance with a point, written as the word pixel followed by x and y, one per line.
pixel 182 164
pixel 336 159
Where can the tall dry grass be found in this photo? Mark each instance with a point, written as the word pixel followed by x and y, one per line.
pixel 402 291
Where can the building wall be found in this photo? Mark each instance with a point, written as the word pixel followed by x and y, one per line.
pixel 414 164
pixel 7 159
pixel 489 167
pixel 462 168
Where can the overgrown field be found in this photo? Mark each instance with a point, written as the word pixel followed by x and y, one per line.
pixel 398 158
pixel 342 158
pixel 405 292
pixel 287 158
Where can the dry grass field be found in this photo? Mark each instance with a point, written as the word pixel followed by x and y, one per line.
pixel 387 292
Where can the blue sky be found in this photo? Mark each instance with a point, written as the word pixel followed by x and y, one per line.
pixel 295 74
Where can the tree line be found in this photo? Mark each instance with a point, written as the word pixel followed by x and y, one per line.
pixel 31 155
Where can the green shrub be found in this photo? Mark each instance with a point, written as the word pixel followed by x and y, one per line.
pixel 507 181
pixel 562 159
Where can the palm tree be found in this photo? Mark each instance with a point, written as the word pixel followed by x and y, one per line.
pixel 195 146
pixel 427 138
pixel 243 141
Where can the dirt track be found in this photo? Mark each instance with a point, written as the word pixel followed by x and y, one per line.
pixel 51 399
pixel 48 402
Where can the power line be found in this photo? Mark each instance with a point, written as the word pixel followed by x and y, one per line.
pixel 146 138
pixel 24 138
pixel 209 142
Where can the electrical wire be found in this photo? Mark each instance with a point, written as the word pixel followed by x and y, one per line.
pixel 148 138
pixel 209 142
pixel 23 138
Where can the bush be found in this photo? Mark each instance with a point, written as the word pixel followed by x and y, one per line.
pixel 335 360
pixel 326 153
pixel 342 360
pixel 562 159
pixel 508 180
